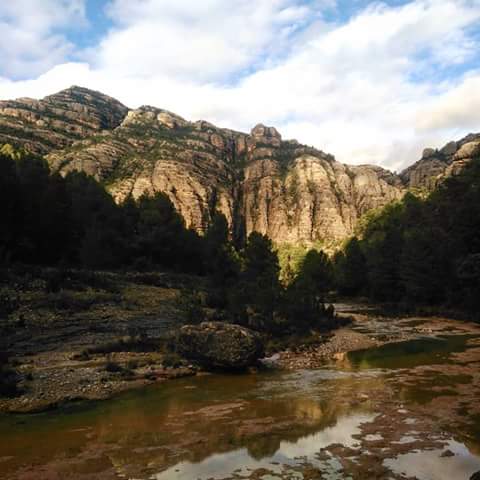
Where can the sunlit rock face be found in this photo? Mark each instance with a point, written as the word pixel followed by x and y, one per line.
pixel 436 165
pixel 56 121
pixel 261 182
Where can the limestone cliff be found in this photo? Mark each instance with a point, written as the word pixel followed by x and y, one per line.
pixel 259 181
pixel 58 120
pixel 436 165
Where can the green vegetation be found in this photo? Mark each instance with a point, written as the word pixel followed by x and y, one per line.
pixel 245 286
pixel 422 252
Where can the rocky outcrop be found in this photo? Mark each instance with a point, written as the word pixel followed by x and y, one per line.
pixel 261 182
pixel 436 165
pixel 55 122
pixel 218 345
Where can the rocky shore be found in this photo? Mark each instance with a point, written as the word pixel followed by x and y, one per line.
pixel 73 364
pixel 341 342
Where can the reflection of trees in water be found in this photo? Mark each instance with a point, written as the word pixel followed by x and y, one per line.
pixel 160 427
pixel 259 425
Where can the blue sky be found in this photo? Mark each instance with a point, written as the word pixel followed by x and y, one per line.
pixel 370 82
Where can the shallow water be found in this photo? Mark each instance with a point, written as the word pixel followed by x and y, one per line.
pixel 408 408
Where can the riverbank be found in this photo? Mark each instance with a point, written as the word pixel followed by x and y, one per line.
pixel 94 343
pixel 101 334
pixel 368 329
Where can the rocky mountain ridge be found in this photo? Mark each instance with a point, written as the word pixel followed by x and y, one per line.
pixel 292 192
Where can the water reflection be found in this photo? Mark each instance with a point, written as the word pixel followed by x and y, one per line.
pixel 212 426
pixel 288 453
pixel 437 464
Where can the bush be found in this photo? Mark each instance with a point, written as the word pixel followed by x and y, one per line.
pixel 113 367
pixel 173 360
pixel 191 304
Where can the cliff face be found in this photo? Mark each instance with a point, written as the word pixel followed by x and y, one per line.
pixel 291 192
pixel 436 165
pixel 260 182
pixel 56 121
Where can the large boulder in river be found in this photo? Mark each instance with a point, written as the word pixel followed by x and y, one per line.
pixel 218 345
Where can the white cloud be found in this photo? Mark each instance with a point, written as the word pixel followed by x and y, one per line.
pixel 345 88
pixel 206 40
pixel 31 39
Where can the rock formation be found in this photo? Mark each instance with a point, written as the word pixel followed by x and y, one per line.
pixel 436 165
pixel 41 126
pixel 293 193
pixel 219 345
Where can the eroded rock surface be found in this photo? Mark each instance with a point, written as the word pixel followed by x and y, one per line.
pixel 219 345
pixel 56 121
pixel 436 165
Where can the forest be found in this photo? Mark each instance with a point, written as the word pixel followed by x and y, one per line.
pixel 419 251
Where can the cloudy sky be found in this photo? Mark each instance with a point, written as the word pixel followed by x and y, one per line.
pixel 370 82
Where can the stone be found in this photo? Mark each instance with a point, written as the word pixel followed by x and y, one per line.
pixel 449 149
pixel 468 150
pixel 428 152
pixel 218 345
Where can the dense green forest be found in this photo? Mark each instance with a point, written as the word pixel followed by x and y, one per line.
pixel 418 251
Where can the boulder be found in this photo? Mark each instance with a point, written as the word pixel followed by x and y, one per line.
pixel 218 345
pixel 428 152
pixel 468 150
pixel 475 476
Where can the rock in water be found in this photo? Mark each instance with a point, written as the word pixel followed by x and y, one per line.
pixel 218 345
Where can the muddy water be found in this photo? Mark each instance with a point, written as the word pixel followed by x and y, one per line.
pixel 403 410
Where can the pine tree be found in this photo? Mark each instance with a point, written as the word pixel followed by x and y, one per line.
pixel 260 277
pixel 351 269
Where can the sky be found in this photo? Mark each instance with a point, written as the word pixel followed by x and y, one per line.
pixel 369 82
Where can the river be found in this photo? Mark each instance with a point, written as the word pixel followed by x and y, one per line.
pixel 403 410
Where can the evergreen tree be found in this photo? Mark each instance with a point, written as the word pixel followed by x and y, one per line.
pixel 10 214
pixel 305 297
pixel 160 230
pixel 351 269
pixel 423 271
pixel 260 277
pixel 221 262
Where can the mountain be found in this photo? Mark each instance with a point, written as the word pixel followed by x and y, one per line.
pixel 56 121
pixel 291 192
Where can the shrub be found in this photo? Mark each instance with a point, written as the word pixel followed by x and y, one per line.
pixel 113 367
pixel 191 305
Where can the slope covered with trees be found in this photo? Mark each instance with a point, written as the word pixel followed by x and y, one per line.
pixel 420 251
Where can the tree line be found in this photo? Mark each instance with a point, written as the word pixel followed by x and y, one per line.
pixel 47 219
